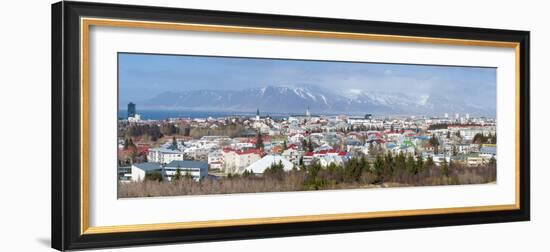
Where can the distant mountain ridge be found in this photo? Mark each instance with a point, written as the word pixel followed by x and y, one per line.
pixel 297 99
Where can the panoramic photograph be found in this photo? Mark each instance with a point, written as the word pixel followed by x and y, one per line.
pixel 198 125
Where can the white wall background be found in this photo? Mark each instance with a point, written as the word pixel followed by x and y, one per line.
pixel 25 125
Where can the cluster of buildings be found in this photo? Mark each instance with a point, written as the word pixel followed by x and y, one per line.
pixel 299 140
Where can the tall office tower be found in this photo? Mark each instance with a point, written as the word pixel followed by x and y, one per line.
pixel 131 109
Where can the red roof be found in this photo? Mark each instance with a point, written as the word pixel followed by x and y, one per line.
pixel 250 151
pixel 292 146
pixel 254 139
pixel 143 150
pixel 374 133
pixel 463 125
pixel 326 151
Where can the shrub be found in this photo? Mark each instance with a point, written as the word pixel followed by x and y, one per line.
pixel 153 176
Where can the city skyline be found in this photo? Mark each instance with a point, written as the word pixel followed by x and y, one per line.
pixel 131 111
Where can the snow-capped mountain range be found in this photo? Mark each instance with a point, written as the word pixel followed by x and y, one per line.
pixel 290 99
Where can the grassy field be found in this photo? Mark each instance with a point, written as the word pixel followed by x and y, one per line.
pixel 302 180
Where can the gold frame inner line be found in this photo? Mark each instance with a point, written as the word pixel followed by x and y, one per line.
pixel 86 23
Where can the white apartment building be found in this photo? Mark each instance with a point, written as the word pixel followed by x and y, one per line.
pixel 215 159
pixel 293 155
pixel 164 155
pixel 237 161
pixel 196 169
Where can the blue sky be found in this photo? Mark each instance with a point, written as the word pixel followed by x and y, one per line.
pixel 142 76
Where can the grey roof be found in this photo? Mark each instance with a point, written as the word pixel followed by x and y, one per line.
pixel 166 150
pixel 148 166
pixel 188 164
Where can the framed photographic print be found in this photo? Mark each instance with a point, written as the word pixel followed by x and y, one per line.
pixel 180 125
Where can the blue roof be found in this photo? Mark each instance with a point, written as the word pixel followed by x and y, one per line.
pixel 188 164
pixel 352 142
pixel 490 150
pixel 148 166
pixel 421 137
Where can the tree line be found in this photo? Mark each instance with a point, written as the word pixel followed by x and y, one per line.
pixel 483 139
pixel 402 168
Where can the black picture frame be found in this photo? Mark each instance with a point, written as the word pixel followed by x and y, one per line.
pixel 66 114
